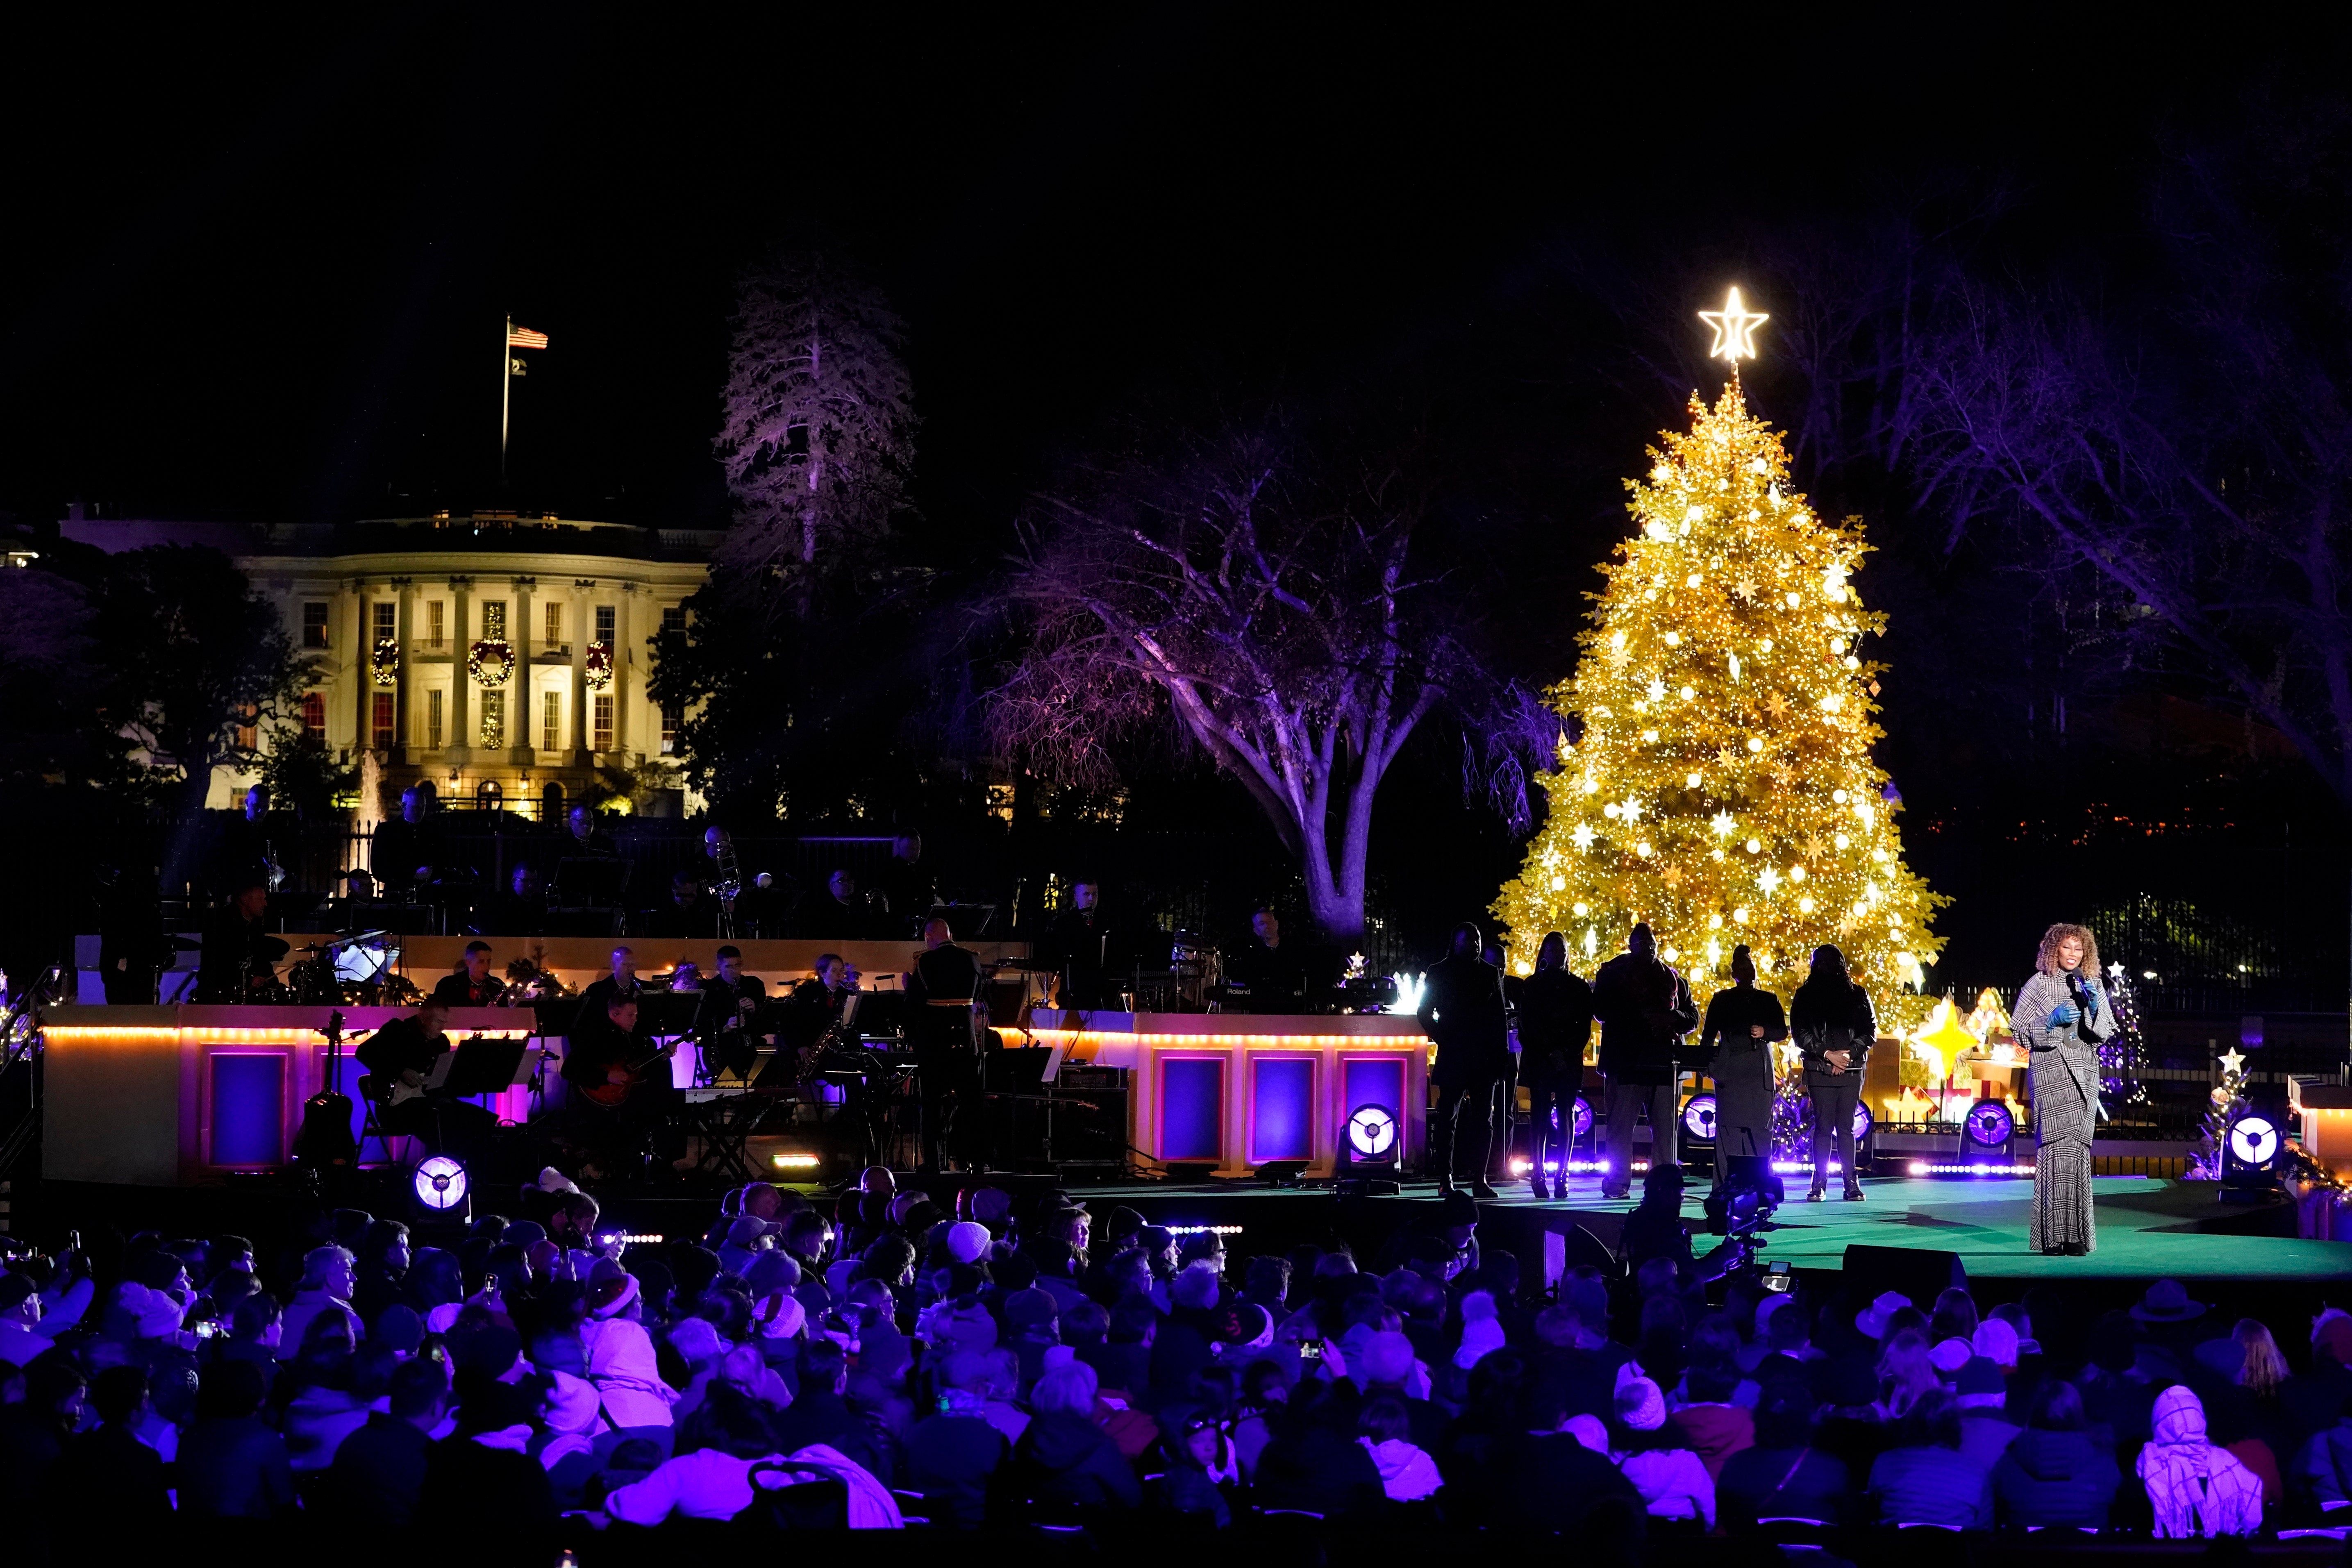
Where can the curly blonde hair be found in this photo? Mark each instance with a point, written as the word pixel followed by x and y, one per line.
pixel 2046 961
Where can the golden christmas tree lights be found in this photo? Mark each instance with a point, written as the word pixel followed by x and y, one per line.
pixel 1722 789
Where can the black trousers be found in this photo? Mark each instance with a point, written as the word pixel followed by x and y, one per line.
pixel 947 1088
pixel 1834 1124
pixel 1476 1102
pixel 1551 1104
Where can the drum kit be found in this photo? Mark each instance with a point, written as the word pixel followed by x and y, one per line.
pixel 353 969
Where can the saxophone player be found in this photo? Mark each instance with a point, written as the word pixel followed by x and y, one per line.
pixel 473 985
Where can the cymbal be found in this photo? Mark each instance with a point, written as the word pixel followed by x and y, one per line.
pixel 1027 965
pixel 361 938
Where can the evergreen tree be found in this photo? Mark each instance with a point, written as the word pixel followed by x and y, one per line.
pixel 1720 785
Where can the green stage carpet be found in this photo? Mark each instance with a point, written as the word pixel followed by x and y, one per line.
pixel 2147 1229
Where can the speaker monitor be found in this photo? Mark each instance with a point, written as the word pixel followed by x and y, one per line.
pixel 1912 1271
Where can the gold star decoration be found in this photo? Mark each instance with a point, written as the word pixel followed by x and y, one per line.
pixel 1726 755
pixel 1735 329
pixel 1745 589
pixel 1813 845
pixel 1777 705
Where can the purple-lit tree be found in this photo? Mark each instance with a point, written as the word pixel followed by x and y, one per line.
pixel 1272 602
pixel 817 429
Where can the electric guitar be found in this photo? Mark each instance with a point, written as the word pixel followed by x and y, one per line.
pixel 609 1094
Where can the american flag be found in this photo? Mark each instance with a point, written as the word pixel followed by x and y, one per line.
pixel 524 338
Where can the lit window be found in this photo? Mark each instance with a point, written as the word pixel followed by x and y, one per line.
pixel 494 620
pixel 437 623
pixel 671 714
pixel 314 713
pixel 314 623
pixel 554 621
pixel 550 722
pixel 603 721
pixel 385 723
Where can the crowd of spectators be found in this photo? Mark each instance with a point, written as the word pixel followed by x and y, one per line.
pixel 881 1361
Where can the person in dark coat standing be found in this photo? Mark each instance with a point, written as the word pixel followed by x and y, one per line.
pixel 944 987
pixel 1645 1009
pixel 1463 1013
pixel 1554 1023
pixel 1742 1023
pixel 1834 1023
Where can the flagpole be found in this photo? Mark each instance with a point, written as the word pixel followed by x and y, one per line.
pixel 506 395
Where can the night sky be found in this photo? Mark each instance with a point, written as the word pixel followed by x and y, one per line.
pixel 258 270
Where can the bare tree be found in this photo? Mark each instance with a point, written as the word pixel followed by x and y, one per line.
pixel 817 433
pixel 2183 450
pixel 1277 608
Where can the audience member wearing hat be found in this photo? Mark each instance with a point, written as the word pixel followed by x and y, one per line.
pixel 1672 1480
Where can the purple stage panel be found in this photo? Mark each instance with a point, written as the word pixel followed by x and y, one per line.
pixel 1282 1109
pixel 248 1121
pixel 1192 1107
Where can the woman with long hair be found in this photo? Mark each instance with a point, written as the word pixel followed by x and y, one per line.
pixel 1741 1025
pixel 2061 1016
pixel 1833 1023
pixel 1906 1374
pixel 1555 1022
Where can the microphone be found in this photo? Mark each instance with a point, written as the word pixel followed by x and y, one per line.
pixel 2081 992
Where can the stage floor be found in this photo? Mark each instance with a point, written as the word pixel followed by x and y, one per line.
pixel 2148 1228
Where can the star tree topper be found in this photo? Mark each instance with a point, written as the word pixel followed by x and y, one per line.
pixel 1735 329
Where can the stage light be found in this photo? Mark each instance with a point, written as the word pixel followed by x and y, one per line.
pixel 2253 1140
pixel 1698 1116
pixel 1372 1134
pixel 795 1162
pixel 441 1183
pixel 1862 1123
pixel 1583 1118
pixel 1201 1229
pixel 2249 1150
pixel 1988 1125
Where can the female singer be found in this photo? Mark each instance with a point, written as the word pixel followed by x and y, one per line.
pixel 1554 1023
pixel 1834 1025
pixel 1741 1025
pixel 2060 1017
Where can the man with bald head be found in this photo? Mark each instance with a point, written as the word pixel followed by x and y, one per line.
pixel 945 1030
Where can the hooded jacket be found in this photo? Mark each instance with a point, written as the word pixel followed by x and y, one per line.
pixel 2055 1478
pixel 1067 1459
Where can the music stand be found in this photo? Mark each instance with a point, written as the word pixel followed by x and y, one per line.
pixel 667 1015
pixel 588 887
pixel 481 1066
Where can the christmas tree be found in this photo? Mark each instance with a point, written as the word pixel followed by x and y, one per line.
pixel 2223 1106
pixel 1721 787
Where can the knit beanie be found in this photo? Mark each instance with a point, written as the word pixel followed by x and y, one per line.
pixel 1639 1405
pixel 967 1241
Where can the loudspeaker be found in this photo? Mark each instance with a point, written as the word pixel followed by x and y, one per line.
pixel 1913 1271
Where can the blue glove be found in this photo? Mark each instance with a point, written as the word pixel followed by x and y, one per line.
pixel 2063 1014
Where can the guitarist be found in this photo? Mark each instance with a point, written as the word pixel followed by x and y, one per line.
pixel 611 1058
pixel 399 1057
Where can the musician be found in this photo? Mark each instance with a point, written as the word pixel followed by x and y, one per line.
pixel 238 951
pixel 622 981
pixel 608 1051
pixel 908 883
pixel 1277 973
pixel 257 841
pixel 1092 956
pixel 729 1023
pixel 408 849
pixel 401 1056
pixel 686 913
pixel 521 910
pixel 585 838
pixel 473 985
pixel 943 989
pixel 839 913
pixel 756 896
